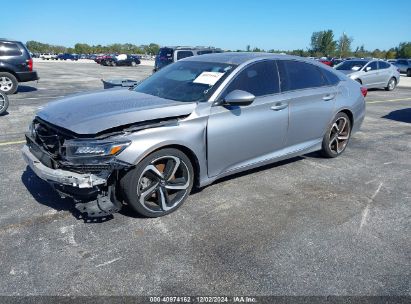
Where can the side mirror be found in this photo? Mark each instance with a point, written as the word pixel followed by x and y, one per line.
pixel 239 98
pixel 367 69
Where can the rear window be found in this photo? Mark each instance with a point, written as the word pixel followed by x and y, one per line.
pixel 184 54
pixel 165 54
pixel 297 75
pixel 383 65
pixel 9 49
pixel 351 65
pixel 331 77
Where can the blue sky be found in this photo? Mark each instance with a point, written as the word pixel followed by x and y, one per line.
pixel 228 24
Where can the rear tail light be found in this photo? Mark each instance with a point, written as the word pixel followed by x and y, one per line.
pixel 364 91
pixel 30 64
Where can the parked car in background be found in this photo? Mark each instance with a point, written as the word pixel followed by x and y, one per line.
pixel 336 61
pixel 4 103
pixel 404 65
pixel 121 60
pixel 67 56
pixel 99 59
pixel 371 73
pixel 326 61
pixel 16 65
pixel 48 56
pixel 167 55
pixel 193 122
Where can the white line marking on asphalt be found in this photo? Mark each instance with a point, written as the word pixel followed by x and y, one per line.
pixel 108 262
pixel 369 182
pixel 367 208
pixel 389 100
pixel 41 97
pixel 70 234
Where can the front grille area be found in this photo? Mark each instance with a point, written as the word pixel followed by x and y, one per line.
pixel 87 168
pixel 49 138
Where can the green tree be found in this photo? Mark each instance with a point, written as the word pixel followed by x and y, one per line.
pixel 404 50
pixel 391 54
pixel 323 43
pixel 344 45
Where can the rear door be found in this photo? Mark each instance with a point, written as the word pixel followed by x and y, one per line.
pixel 310 94
pixel 384 73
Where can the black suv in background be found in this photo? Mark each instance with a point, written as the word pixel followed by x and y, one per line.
pixel 167 55
pixel 16 65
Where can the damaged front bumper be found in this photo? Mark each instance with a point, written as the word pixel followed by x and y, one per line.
pixel 93 194
pixel 60 176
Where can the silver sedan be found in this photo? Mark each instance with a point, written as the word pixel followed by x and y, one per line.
pixel 191 123
pixel 373 74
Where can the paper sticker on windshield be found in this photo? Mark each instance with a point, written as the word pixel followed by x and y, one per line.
pixel 209 78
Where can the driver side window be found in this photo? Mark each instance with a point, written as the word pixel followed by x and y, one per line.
pixel 259 79
pixel 372 65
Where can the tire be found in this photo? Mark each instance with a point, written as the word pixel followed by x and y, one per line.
pixel 392 83
pixel 337 136
pixel 409 73
pixel 151 188
pixel 8 83
pixel 133 63
pixel 4 103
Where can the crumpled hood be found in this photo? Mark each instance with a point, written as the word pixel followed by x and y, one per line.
pixel 94 112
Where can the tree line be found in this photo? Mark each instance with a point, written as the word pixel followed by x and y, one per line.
pixel 84 48
pixel 323 43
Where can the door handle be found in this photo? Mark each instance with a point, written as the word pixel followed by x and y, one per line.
pixel 279 106
pixel 329 97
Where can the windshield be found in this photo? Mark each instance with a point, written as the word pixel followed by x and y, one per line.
pixel 351 65
pixel 187 81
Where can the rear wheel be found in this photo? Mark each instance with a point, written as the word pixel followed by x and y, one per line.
pixel 133 63
pixel 4 103
pixel 159 184
pixel 391 84
pixel 8 83
pixel 337 136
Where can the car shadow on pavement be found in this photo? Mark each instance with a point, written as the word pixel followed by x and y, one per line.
pixel 403 115
pixel 256 170
pixel 44 194
pixel 26 89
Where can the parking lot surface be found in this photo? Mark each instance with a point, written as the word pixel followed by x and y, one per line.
pixel 306 226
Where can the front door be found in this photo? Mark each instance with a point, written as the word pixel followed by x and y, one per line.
pixel 241 136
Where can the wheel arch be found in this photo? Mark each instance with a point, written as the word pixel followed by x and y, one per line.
pixel 349 114
pixel 184 149
pixel 8 70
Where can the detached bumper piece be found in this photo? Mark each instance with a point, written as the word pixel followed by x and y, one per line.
pixel 90 192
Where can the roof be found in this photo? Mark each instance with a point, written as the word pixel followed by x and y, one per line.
pixel 238 58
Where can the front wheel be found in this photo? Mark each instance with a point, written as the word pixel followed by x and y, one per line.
pixel 159 184
pixel 409 73
pixel 337 136
pixel 4 103
pixel 391 84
